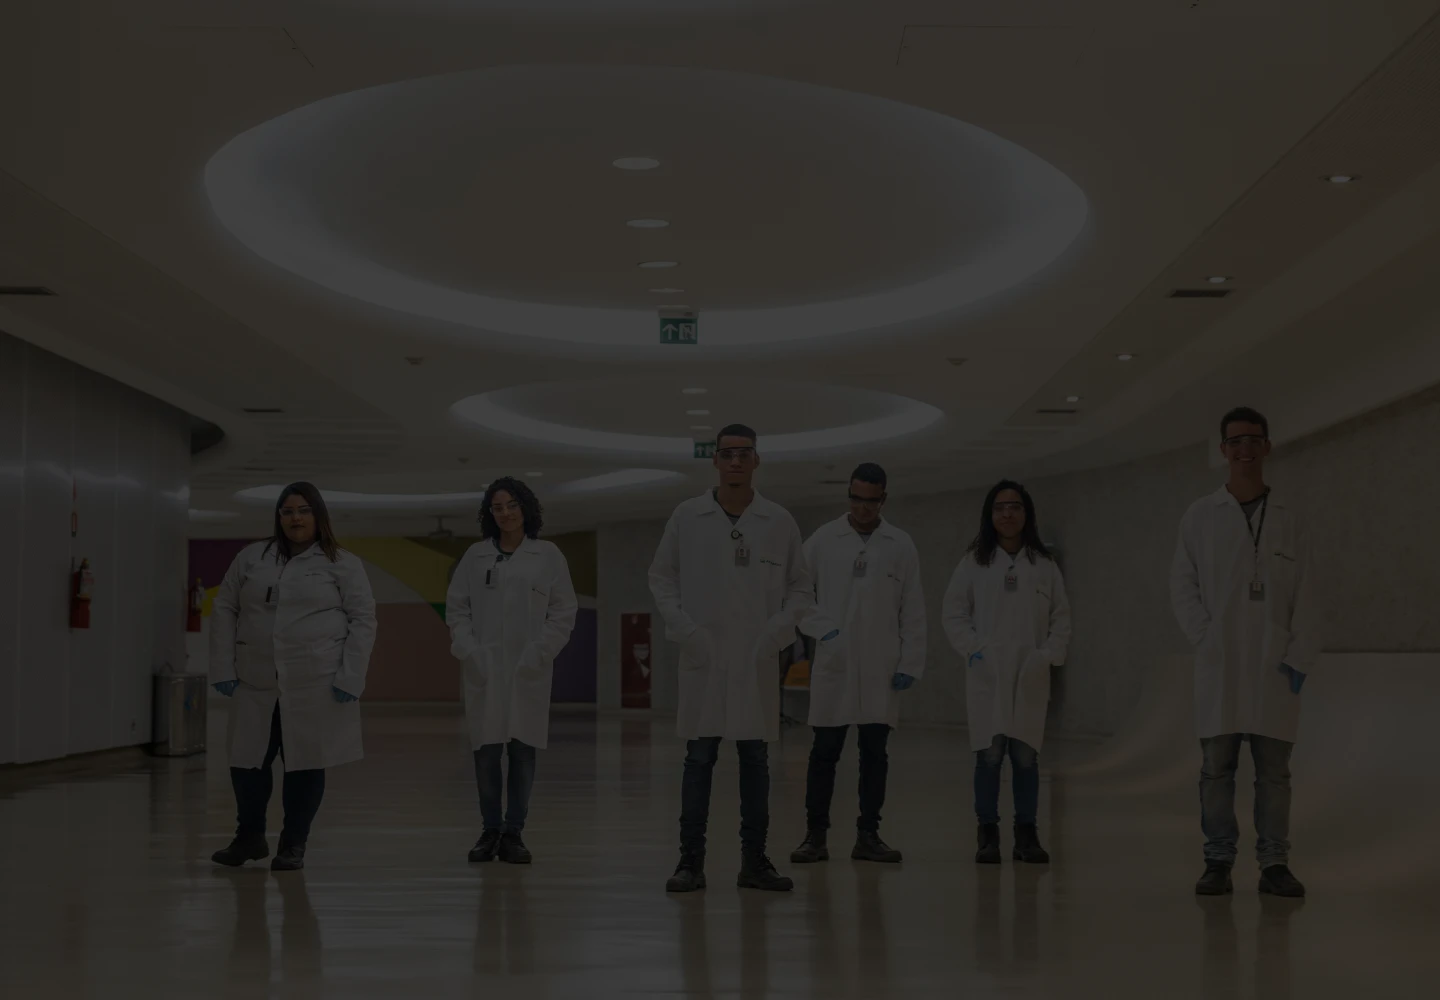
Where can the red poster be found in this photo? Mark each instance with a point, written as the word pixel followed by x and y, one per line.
pixel 635 662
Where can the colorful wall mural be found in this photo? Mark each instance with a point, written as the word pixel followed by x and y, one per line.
pixel 409 576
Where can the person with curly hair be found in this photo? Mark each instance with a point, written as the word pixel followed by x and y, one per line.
pixel 510 608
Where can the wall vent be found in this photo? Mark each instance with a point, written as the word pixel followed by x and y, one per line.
pixel 262 409
pixel 1053 412
pixel 25 290
pixel 1199 293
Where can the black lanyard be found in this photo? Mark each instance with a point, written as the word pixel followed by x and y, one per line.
pixel 1259 530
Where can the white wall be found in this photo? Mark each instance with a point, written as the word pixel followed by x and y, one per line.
pixel 127 457
pixel 1369 488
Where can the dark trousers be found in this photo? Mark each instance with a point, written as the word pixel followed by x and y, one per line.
pixel 700 758
pixel 1024 779
pixel 300 794
pixel 874 766
pixel 1221 758
pixel 488 784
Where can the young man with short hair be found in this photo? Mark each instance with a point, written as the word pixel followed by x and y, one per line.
pixel 867 590
pixel 1243 589
pixel 730 582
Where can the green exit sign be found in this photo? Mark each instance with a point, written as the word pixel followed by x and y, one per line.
pixel 679 327
pixel 704 449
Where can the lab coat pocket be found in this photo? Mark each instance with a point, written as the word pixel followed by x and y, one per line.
pixel 324 659
pixel 830 656
pixel 254 667
pixel 1035 677
pixel 1274 646
pixel 695 651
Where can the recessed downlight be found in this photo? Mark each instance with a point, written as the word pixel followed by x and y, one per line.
pixel 647 223
pixel 694 391
pixel 1072 399
pixel 697 413
pixel 1218 279
pixel 1124 357
pixel 636 163
pixel 657 264
pixel 1342 178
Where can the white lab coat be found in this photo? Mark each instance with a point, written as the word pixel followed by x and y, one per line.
pixel 881 618
pixel 1240 644
pixel 731 621
pixel 507 635
pixel 315 634
pixel 1020 635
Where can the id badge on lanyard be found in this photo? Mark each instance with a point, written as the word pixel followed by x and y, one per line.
pixel 742 551
pixel 858 569
pixel 1012 580
pixel 492 576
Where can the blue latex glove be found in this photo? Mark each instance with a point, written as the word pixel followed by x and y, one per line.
pixel 1297 679
pixel 901 682
pixel 975 656
pixel 227 688
pixel 832 634
pixel 343 696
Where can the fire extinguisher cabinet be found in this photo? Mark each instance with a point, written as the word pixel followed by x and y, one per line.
pixel 179 714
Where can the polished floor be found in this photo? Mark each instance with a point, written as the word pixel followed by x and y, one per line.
pixel 106 890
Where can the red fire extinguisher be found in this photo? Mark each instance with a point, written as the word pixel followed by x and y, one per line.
pixel 82 585
pixel 197 605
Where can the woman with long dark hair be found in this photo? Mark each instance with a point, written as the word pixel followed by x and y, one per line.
pixel 510 608
pixel 290 643
pixel 1006 613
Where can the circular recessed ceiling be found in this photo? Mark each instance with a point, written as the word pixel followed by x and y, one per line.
pixel 875 214
pixel 636 418
pixel 609 482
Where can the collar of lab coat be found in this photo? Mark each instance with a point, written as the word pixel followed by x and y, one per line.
pixel 1223 496
pixel 843 528
pixel 527 546
pixel 759 506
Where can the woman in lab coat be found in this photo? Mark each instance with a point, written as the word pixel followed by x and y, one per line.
pixel 290 641
pixel 510 608
pixel 1006 613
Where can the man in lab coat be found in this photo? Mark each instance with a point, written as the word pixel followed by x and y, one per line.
pixel 1242 586
pixel 730 582
pixel 867 584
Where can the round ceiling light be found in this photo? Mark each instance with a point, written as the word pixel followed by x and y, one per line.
pixel 656 264
pixel 636 163
pixel 1124 357
pixel 1218 279
pixel 1072 399
pixel 647 224
pixel 1340 178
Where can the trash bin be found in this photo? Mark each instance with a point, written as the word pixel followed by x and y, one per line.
pixel 180 704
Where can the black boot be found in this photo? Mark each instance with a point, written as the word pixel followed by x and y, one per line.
pixel 288 858
pixel 485 847
pixel 1027 846
pixel 1215 881
pixel 1278 880
pixel 513 850
pixel 869 847
pixel 689 874
pixel 811 849
pixel 245 847
pixel 989 839
pixel 756 872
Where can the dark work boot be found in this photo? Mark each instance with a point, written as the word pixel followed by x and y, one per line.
pixel 485 847
pixel 513 850
pixel 1027 846
pixel 689 874
pixel 869 847
pixel 247 847
pixel 288 858
pixel 811 849
pixel 988 852
pixel 1278 880
pixel 756 872
pixel 1215 881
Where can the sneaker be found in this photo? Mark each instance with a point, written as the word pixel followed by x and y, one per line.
pixel 988 837
pixel 1215 881
pixel 485 847
pixel 756 872
pixel 1027 846
pixel 288 858
pixel 869 847
pixel 1278 880
pixel 689 874
pixel 241 850
pixel 513 850
pixel 812 849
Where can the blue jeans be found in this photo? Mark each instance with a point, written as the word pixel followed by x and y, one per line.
pixel 700 756
pixel 874 768
pixel 522 780
pixel 1024 779
pixel 1220 758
